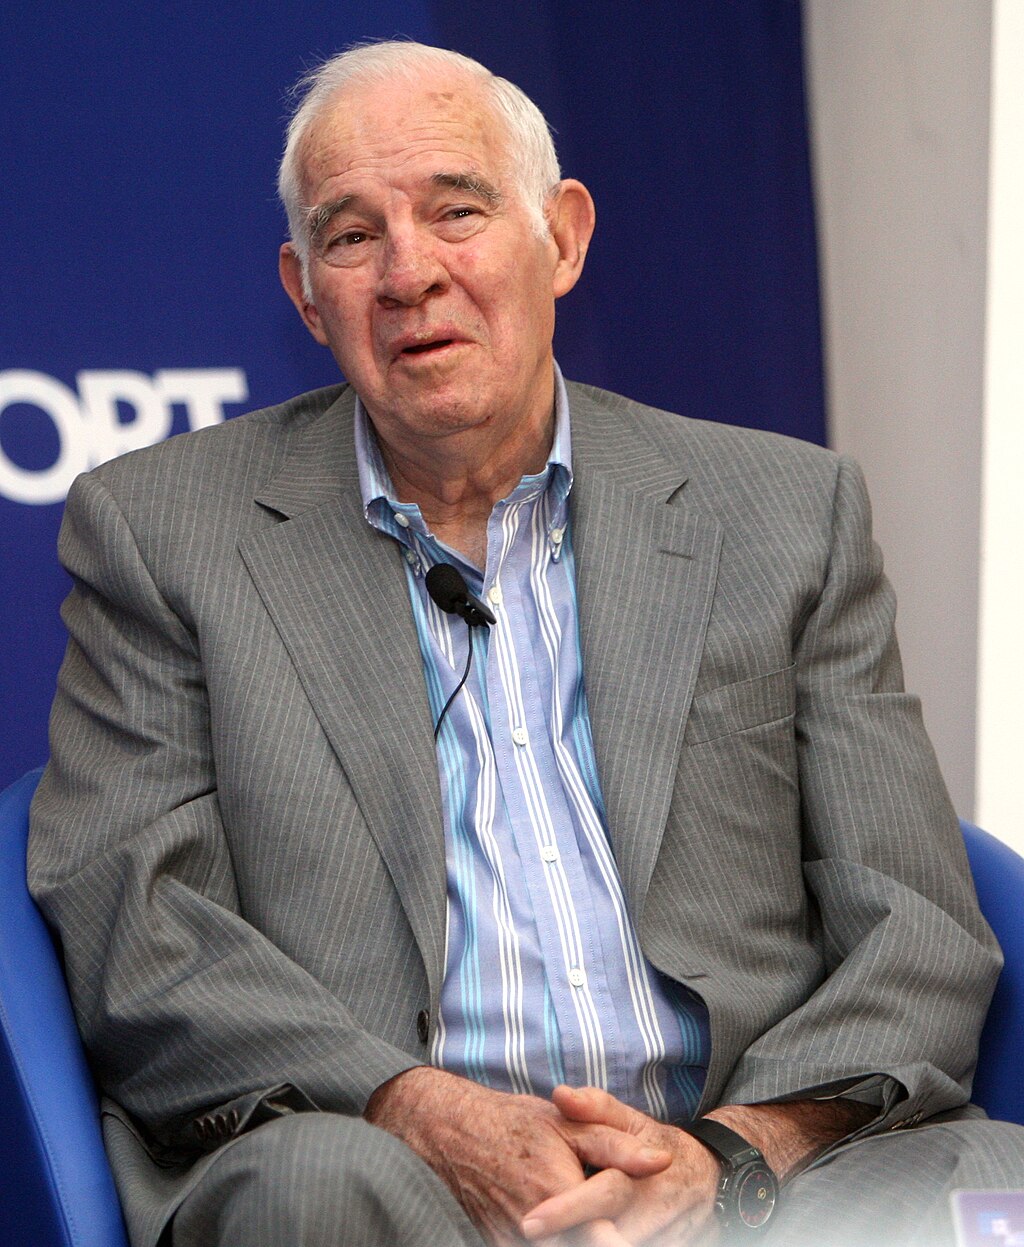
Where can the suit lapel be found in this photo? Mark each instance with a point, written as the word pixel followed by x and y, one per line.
pixel 335 590
pixel 646 567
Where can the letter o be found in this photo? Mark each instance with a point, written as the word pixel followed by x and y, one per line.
pixel 60 403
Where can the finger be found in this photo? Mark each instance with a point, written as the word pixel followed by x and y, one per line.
pixel 601 1198
pixel 603 1234
pixel 604 1148
pixel 594 1105
pixel 596 1234
pixel 670 1217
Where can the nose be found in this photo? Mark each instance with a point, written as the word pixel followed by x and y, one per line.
pixel 411 269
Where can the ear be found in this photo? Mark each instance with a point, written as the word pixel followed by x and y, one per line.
pixel 570 213
pixel 290 267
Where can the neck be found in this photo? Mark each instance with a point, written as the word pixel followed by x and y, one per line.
pixel 457 482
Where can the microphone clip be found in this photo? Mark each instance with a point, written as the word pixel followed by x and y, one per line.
pixel 449 590
pixel 474 612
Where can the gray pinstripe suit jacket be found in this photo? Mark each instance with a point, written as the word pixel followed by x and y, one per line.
pixel 239 835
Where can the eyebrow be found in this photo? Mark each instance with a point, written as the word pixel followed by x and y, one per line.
pixel 471 183
pixel 321 214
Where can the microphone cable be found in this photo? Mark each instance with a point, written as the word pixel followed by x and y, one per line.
pixel 448 590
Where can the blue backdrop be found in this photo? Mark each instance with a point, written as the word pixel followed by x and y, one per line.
pixel 139 149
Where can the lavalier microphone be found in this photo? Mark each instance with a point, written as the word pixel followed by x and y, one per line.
pixel 448 589
pixel 447 586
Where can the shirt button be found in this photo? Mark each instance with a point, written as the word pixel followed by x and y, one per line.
pixel 520 735
pixel 401 519
pixel 577 978
pixel 557 534
pixel 494 595
pixel 549 853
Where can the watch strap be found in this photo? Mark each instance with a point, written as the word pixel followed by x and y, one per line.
pixel 732 1149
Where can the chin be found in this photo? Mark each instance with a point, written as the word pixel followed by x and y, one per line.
pixel 441 413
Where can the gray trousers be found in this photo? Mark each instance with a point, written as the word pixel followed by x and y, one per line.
pixel 321 1180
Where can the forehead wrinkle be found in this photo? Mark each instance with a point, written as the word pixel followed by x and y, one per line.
pixel 429 114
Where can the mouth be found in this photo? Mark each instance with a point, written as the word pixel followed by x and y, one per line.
pixel 421 345
pixel 426 348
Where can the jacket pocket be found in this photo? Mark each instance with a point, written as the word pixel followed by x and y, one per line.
pixel 738 707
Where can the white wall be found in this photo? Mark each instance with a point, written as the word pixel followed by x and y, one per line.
pixel 1000 753
pixel 899 101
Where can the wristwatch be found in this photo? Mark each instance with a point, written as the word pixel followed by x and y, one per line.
pixel 747 1189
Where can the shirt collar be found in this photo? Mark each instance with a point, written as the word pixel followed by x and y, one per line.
pixel 375 482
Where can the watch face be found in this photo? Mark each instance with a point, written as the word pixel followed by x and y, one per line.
pixel 756 1192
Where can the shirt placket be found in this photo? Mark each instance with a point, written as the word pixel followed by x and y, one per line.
pixel 539 816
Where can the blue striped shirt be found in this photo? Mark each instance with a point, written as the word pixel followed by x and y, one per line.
pixel 545 981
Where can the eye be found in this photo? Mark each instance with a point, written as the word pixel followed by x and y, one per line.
pixel 343 246
pixel 460 221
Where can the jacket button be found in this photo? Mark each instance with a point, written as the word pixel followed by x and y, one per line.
pixel 423 1025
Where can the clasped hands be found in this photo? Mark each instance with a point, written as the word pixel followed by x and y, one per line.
pixel 518 1164
pixel 656 1184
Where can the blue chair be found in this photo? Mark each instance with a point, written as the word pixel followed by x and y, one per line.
pixel 55 1186
pixel 999 879
pixel 56 1189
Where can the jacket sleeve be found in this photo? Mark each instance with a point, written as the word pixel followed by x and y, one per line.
pixel 196 1023
pixel 910 963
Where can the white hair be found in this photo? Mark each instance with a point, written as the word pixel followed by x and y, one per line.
pixel 532 158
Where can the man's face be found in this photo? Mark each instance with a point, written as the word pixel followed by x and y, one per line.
pixel 429 283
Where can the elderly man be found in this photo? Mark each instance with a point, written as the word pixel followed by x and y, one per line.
pixel 591 922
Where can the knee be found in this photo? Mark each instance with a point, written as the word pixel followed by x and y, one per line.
pixel 320 1166
pixel 989 1154
pixel 314 1179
